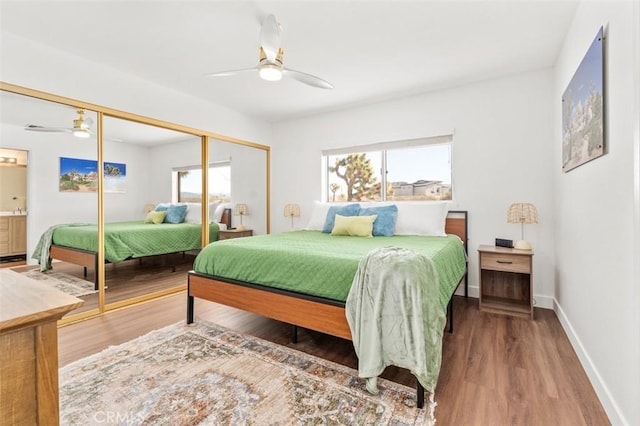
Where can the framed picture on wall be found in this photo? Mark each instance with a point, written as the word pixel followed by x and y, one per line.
pixel 80 175
pixel 583 109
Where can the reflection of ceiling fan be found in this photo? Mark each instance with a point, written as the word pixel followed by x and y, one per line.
pixel 270 67
pixel 81 126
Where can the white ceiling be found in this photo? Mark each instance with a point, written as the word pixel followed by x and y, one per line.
pixel 369 50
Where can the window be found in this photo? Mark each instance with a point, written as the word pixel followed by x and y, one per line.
pixel 188 183
pixel 412 170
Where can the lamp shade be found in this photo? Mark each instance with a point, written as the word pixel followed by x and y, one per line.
pixel 522 213
pixel 241 210
pixel 292 210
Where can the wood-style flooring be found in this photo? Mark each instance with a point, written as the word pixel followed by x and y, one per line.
pixel 131 278
pixel 496 370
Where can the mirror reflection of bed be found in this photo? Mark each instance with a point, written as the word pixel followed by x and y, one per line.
pixel 146 166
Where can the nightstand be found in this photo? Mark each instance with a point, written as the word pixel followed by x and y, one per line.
pixel 506 281
pixel 234 233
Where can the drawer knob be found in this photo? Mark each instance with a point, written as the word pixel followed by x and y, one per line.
pixel 508 262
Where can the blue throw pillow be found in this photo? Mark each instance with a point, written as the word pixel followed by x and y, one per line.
pixel 385 224
pixel 176 214
pixel 347 210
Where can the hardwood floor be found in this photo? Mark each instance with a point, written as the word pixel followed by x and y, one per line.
pixel 131 278
pixel 496 370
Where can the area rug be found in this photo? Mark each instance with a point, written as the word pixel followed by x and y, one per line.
pixel 68 284
pixel 204 374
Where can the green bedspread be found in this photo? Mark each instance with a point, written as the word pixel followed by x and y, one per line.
pixel 125 240
pixel 323 265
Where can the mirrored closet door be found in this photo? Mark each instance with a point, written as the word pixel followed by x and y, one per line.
pixel 60 187
pixel 93 170
pixel 152 209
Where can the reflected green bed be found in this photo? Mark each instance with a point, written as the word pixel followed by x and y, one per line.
pixel 130 240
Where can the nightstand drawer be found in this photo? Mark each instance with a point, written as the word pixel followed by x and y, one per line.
pixel 229 234
pixel 506 263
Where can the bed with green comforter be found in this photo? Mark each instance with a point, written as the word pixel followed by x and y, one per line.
pixel 304 278
pixel 136 239
pixel 322 265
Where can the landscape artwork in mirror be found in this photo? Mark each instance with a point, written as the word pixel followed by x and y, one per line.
pixel 80 175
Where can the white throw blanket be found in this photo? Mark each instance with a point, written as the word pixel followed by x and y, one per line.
pixel 395 316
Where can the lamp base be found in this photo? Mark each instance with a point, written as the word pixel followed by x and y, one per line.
pixel 522 245
pixel 241 228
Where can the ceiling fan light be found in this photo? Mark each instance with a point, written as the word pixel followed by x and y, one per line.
pixel 81 133
pixel 270 72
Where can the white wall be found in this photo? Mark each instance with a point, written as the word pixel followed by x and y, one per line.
pixel 502 153
pixel 596 289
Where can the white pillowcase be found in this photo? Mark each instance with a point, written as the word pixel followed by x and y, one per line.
pixel 217 214
pixel 319 215
pixel 422 219
pixel 194 212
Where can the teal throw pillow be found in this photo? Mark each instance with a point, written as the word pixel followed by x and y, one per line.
pixel 346 210
pixel 385 224
pixel 176 214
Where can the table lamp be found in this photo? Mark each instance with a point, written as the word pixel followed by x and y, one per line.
pixel 292 210
pixel 241 210
pixel 522 213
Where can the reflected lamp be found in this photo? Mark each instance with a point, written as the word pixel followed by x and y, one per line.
pixel 241 210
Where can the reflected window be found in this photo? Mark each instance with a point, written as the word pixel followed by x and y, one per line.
pixel 188 183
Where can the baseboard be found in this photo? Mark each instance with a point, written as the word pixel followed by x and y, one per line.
pixel 609 404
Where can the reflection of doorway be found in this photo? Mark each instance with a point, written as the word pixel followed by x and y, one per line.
pixel 13 207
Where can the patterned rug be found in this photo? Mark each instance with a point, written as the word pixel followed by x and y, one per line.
pixel 65 283
pixel 204 374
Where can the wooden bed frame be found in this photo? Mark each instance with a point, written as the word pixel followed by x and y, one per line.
pixel 287 306
pixel 294 308
pixel 89 259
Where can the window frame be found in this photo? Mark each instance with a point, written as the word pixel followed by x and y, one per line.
pixel 383 148
pixel 175 178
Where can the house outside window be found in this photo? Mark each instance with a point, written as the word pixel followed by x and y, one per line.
pixel 410 170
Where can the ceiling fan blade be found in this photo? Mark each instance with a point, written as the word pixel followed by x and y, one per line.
pixel 308 79
pixel 36 128
pixel 270 38
pixel 231 72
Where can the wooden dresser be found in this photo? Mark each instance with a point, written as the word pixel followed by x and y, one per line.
pixel 29 312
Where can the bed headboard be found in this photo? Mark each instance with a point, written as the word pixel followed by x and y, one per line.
pixel 456 224
pixel 226 217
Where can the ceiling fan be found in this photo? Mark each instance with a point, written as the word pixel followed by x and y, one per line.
pixel 271 66
pixel 81 126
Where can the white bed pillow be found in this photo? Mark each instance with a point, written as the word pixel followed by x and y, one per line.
pixel 422 219
pixel 194 213
pixel 318 216
pixel 217 214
